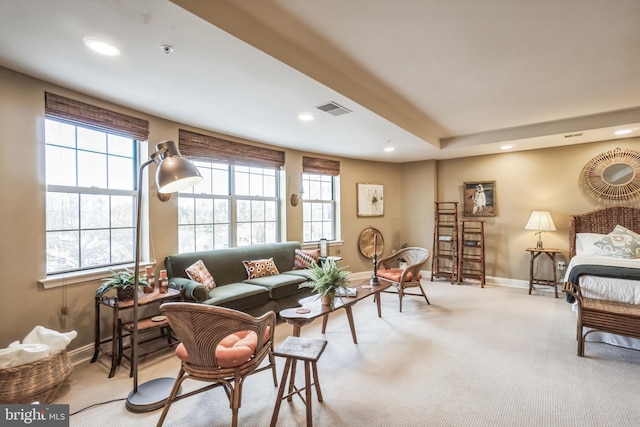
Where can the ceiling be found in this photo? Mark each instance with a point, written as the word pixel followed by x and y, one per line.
pixel 435 79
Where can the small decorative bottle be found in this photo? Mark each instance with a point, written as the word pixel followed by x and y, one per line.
pixel 148 273
pixel 163 283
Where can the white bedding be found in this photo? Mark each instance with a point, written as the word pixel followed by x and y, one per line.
pixel 608 288
pixel 622 290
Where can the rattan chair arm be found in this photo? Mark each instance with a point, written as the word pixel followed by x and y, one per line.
pixel 386 262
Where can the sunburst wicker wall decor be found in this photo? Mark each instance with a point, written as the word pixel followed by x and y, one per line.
pixel 596 176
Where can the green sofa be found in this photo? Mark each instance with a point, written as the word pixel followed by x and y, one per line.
pixel 233 288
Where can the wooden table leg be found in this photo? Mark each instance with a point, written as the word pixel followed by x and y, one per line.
pixel 555 275
pixel 325 320
pixel 115 342
pixel 531 273
pixel 377 297
pixel 351 324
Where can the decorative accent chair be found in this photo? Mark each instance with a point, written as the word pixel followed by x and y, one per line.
pixel 404 278
pixel 220 346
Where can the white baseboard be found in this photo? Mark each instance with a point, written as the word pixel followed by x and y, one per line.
pixel 500 281
pixel 83 354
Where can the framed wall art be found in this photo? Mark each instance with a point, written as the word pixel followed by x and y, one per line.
pixel 370 199
pixel 479 198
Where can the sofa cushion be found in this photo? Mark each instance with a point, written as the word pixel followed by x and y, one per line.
pixel 279 286
pixel 306 274
pixel 198 272
pixel 260 268
pixel 238 296
pixel 304 259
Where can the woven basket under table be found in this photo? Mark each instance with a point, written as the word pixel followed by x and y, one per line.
pixel 40 381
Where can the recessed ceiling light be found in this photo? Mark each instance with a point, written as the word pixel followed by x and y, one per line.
pixel 506 147
pixel 305 117
pixel 389 147
pixel 101 47
pixel 622 131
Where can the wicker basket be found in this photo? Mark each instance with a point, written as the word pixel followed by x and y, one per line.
pixel 40 381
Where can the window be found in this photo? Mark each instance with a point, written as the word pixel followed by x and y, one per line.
pixel 233 206
pixel 318 207
pixel 320 195
pixel 91 197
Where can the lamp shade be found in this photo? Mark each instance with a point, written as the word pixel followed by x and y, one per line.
pixel 540 221
pixel 174 172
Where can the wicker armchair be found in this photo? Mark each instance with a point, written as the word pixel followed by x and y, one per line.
pixel 220 346
pixel 407 278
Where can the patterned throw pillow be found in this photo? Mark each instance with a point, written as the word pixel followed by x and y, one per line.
pixel 198 272
pixel 621 243
pixel 304 259
pixel 260 267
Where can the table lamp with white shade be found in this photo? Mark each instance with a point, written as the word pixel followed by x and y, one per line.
pixel 540 221
pixel 174 173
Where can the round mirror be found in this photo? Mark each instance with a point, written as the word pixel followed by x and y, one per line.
pixel 617 174
pixel 613 176
pixel 365 242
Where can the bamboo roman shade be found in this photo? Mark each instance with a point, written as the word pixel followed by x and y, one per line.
pixel 320 166
pixel 210 148
pixel 60 107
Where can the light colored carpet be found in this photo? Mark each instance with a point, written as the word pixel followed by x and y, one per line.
pixel 475 357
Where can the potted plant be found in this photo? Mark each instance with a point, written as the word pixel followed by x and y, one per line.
pixel 123 282
pixel 326 279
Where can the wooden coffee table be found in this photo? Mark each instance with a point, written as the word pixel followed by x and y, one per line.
pixel 299 316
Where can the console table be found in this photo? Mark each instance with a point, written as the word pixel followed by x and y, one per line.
pixel 117 325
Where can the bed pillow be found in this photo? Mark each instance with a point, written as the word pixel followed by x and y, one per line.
pixel 260 268
pixel 198 272
pixel 621 243
pixel 586 244
pixel 304 259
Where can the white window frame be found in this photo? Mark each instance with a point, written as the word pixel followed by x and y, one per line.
pixel 233 200
pixel 80 272
pixel 333 202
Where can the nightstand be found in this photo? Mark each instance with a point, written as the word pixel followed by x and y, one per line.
pixel 551 253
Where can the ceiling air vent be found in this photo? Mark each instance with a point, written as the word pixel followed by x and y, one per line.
pixel 333 108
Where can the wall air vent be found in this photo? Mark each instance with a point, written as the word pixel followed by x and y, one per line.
pixel 571 135
pixel 333 108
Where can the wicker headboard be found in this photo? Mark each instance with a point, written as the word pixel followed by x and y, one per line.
pixel 602 221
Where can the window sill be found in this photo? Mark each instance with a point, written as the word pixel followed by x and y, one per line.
pixel 65 279
pixel 316 245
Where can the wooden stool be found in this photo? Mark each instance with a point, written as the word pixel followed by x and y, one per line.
pixel 308 351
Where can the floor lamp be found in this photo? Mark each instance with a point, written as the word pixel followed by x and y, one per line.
pixel 174 173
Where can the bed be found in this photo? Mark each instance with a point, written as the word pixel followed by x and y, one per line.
pixel 599 274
